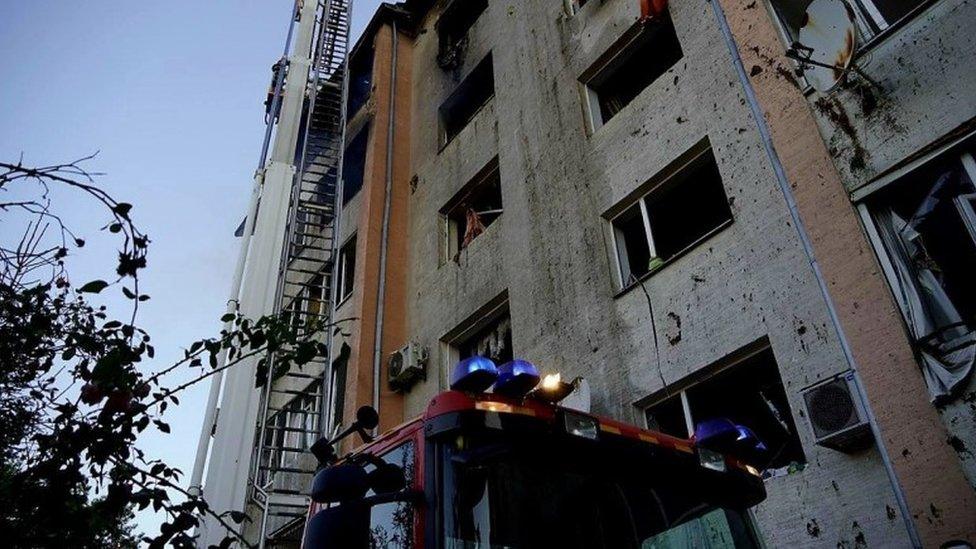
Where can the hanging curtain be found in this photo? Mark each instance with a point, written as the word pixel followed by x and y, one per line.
pixel 947 346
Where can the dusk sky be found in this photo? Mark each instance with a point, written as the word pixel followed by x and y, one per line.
pixel 171 95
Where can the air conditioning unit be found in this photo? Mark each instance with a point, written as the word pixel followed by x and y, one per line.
pixel 834 409
pixel 407 366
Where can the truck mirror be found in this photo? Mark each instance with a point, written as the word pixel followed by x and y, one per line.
pixel 725 437
pixel 339 483
pixel 367 418
pixel 387 478
pixel 346 526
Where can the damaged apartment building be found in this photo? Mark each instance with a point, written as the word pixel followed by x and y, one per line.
pixel 652 195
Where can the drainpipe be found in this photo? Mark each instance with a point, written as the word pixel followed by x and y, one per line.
pixel 787 191
pixel 381 288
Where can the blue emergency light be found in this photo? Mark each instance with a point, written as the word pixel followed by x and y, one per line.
pixel 516 378
pixel 474 374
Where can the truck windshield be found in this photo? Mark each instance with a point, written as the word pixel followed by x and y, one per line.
pixel 552 492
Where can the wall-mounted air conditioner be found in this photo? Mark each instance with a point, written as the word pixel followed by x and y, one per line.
pixel 838 420
pixel 407 366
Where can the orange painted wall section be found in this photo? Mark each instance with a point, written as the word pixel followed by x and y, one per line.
pixel 369 242
pixel 940 498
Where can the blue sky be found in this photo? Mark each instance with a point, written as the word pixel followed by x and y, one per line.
pixel 171 95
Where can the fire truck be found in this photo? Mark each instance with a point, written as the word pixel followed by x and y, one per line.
pixel 511 468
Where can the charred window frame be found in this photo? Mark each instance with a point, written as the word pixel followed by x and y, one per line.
pixel 452 30
pixel 466 101
pixel 346 270
pixel 472 210
pixel 685 206
pixel 922 225
pixel 354 164
pixel 748 390
pixel 645 53
pixel 487 332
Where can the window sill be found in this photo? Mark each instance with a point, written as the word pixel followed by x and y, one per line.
pixel 343 300
pixel 684 251
pixel 466 250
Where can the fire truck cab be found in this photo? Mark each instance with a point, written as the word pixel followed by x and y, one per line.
pixel 512 469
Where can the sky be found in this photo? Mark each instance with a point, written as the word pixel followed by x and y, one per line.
pixel 170 94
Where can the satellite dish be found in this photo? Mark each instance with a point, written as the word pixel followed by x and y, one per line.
pixel 827 41
pixel 579 399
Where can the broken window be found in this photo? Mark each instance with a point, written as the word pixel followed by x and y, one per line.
pixel 614 82
pixel 871 16
pixel 678 213
pixel 347 269
pixel 354 165
pixel 473 209
pixel 924 231
pixel 750 393
pixel 468 98
pixel 452 30
pixel 360 79
pixel 493 340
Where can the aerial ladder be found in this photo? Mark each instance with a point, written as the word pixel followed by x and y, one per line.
pixel 286 267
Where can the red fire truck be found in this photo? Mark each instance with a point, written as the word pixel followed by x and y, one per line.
pixel 512 469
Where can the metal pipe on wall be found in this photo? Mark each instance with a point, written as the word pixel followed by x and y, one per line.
pixel 387 198
pixel 784 185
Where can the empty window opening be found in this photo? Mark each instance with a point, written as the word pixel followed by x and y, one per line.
pixel 493 340
pixel 677 214
pixel 473 209
pixel 360 79
pixel 749 393
pixel 354 165
pixel 613 84
pixel 452 30
pixel 471 94
pixel 923 227
pixel 347 269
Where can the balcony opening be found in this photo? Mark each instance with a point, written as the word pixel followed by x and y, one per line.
pixel 452 30
pixel 473 209
pixel 468 98
pixel 624 72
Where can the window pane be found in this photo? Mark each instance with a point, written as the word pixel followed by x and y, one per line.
pixel 633 249
pixel 391 524
pixel 493 341
pixel 893 10
pixel 668 417
pixel 354 165
pixel 687 207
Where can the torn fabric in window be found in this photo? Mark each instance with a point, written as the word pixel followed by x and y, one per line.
pixel 933 257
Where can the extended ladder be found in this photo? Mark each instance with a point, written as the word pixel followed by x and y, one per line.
pixel 292 405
